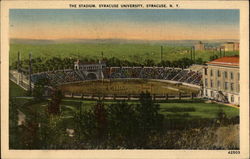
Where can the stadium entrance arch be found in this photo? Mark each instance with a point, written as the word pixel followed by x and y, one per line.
pixel 91 70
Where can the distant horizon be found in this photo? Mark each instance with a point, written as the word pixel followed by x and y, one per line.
pixel 122 39
pixel 131 24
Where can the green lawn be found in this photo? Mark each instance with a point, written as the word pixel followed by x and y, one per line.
pixel 131 52
pixel 199 110
pixel 174 111
pixel 194 110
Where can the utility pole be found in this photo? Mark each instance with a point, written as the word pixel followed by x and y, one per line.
pixel 161 52
pixel 190 51
pixel 102 55
pixel 194 53
pixel 30 72
pixel 18 61
pixel 220 52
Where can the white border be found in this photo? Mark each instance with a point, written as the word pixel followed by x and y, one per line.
pixel 209 154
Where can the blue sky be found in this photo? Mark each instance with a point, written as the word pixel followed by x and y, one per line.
pixel 31 21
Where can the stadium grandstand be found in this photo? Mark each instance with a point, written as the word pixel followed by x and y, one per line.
pixel 159 73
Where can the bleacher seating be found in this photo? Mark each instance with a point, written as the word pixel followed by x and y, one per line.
pixel 162 73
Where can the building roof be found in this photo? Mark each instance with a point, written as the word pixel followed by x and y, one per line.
pixel 226 61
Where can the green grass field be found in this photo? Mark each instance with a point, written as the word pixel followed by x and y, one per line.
pixel 125 87
pixel 131 52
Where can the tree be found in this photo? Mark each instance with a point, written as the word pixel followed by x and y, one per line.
pixel 29 131
pixel 91 127
pixel 213 57
pixel 54 104
pixel 150 121
pixel 149 62
pixel 123 125
pixel 52 132
pixel 13 124
pixel 39 88
pixel 222 117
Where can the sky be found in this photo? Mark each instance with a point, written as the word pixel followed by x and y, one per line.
pixel 143 24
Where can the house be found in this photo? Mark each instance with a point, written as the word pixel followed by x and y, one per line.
pixel 199 46
pixel 231 46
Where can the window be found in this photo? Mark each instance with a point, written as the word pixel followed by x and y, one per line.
pixel 205 82
pixel 212 94
pixel 218 73
pixel 211 83
pixel 232 86
pixel 225 85
pixel 232 98
pixel 205 71
pixel 206 92
pixel 231 75
pixel 225 74
pixel 218 84
pixel 211 72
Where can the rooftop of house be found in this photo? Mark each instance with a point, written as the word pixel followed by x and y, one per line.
pixel 226 61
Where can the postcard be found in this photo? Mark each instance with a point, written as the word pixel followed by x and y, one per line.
pixel 124 79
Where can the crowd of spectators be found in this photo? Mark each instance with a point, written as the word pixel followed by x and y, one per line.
pixel 162 73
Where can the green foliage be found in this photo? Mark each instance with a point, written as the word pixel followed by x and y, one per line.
pixel 91 125
pixel 120 125
pixel 54 104
pixel 149 119
pixel 39 89
pixel 211 58
pixel 13 123
pixel 123 125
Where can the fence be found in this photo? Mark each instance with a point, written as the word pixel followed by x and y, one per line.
pixel 20 79
pixel 129 97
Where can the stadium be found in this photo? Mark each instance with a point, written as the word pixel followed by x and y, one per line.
pixel 95 79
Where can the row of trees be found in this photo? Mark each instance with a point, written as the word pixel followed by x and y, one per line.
pixel 119 125
pixel 55 63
